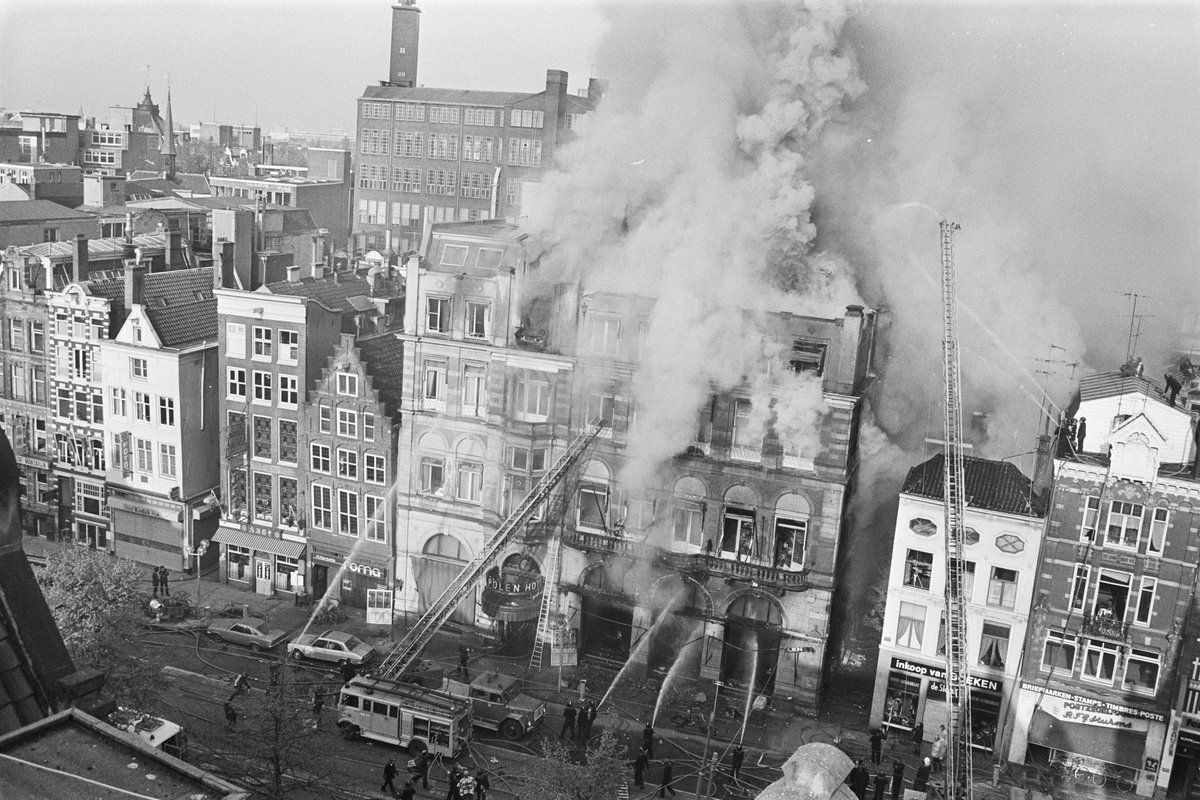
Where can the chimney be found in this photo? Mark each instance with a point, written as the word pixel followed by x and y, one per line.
pixel 127 248
pixel 79 259
pixel 318 271
pixel 135 281
pixel 1043 466
pixel 412 286
pixel 225 271
pixel 596 89
pixel 174 254
pixel 293 274
pixel 406 34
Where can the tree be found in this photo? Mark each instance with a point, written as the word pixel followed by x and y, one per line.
pixel 273 747
pixel 595 774
pixel 97 604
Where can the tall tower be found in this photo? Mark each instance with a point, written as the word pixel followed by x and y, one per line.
pixel 168 143
pixel 406 31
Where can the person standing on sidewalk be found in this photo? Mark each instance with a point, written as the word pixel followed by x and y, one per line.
pixel 464 657
pixel 162 579
pixel 938 750
pixel 918 737
pixel 421 768
pixel 648 741
pixel 482 784
pixel 407 792
pixel 568 721
pixel 639 769
pixel 667 776
pixel 877 737
pixel 881 782
pixel 897 778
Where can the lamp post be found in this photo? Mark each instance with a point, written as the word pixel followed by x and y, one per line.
pixel 712 720
pixel 197 554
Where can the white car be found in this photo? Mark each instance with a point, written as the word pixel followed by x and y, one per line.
pixel 336 646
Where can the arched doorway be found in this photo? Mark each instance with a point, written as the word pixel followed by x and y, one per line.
pixel 607 615
pixel 442 559
pixel 753 629
pixel 676 608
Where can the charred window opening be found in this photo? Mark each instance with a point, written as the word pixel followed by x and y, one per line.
pixel 807 356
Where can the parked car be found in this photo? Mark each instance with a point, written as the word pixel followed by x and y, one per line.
pixel 254 633
pixel 336 646
pixel 238 611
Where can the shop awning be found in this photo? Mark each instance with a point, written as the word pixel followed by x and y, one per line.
pixel 1114 745
pixel 267 544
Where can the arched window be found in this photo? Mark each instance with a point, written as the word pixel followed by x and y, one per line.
pixel 739 536
pixel 468 457
pixel 689 511
pixel 432 449
pixel 792 512
pixel 445 546
pixel 755 607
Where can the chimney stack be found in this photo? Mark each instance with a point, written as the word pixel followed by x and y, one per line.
pixel 293 274
pixel 1043 467
pixel 79 259
pixel 406 34
pixel 174 254
pixel 596 89
pixel 224 271
pixel 135 282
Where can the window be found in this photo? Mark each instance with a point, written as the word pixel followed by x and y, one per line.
pixel 373 141
pixel 532 398
pixel 512 191
pixel 37 337
pixel 993 645
pixel 264 500
pixel 1079 586
pixel 747 433
pixel 1158 531
pixel 790 540
pixel 141 402
pixel 437 316
pixel 1145 605
pixel 237 382
pixel 89 498
pixel 1112 596
pixel 1002 589
pixel 689 522
pixel 602 333
pixel 262 387
pixel 235 340
pixel 474 391
pixel 347 384
pixel 477 320
pixel 593 506
pixel 322 507
pixel 368 422
pixel 478 148
pixel 968 573
pixel 410 112
pixel 16 335
pixel 443 182
pixel 443 146
pixel 1100 661
pixel 435 381
pixel 446 115
pixel 1091 516
pixel 477 185
pixel 166 411
pixel 1124 524
pixel 347 513
pixel 19 389
pixel 807 357
pixel 375 468
pixel 137 368
pixel 289 392
pixel 1058 652
pixel 918 569
pixel 910 629
pixel 371 211
pixel 324 418
pixel 479 116
pixel 39 385
pixel 262 438
pixel 145 455
pixel 376 515
pixel 120 407
pixel 411 144
pixel 289 347
pixel 470 482
pixel 526 118
pixel 288 447
pixel 347 423
pixel 166 460
pixel 14 279
pixel 347 461
pixel 262 343
pixel 433 475
pixel 320 458
pixel 1141 670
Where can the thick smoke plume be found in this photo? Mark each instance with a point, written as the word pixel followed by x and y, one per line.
pixel 690 185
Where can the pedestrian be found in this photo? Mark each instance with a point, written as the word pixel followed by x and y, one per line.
pixel 921 782
pixel 664 787
pixel 407 791
pixel 735 765
pixel 231 714
pixel 859 780
pixel 918 738
pixel 881 782
pixel 421 768
pixel 1081 433
pixel 648 741
pixel 639 769
pixel 877 737
pixel 452 778
pixel 162 580
pixel 482 784
pixel 938 750
pixel 389 775
pixel 897 778
pixel 568 721
pixel 154 581
pixel 464 656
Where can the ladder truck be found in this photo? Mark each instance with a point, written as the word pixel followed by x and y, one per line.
pixel 958 688
pixel 408 650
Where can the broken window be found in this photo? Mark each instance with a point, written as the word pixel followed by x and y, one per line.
pixel 807 357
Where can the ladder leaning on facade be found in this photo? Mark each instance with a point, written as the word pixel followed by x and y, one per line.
pixel 408 650
pixel 549 593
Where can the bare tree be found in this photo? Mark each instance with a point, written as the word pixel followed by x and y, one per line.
pixel 592 774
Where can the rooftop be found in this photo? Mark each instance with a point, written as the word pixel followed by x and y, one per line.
pixel 1114 384
pixel 424 94
pixel 101 249
pixel 383 357
pixel 181 306
pixel 17 211
pixel 990 485
pixel 334 291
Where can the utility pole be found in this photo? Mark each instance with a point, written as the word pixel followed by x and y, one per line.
pixel 712 721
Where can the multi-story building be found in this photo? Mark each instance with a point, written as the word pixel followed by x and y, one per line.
pixel 1002 544
pixel 1114 588
pixel 24 404
pixel 732 549
pixel 348 455
pixel 133 138
pixel 430 155
pixel 160 370
pixel 42 137
pixel 25 222
pixel 326 200
pixel 60 183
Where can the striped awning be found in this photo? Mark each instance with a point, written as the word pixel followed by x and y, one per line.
pixel 266 544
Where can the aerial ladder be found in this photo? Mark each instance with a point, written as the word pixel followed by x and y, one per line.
pixel 958 688
pixel 408 650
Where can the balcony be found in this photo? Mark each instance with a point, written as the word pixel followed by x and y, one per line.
pixel 601 543
pixel 433 404
pixel 797 462
pixel 752 455
pixel 1106 626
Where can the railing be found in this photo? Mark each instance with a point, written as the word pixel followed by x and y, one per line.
pixel 751 454
pixel 601 543
pixel 1106 626
pixel 797 462
pixel 431 404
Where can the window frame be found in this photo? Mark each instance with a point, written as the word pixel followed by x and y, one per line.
pixel 320 462
pixel 917 570
pixel 999 589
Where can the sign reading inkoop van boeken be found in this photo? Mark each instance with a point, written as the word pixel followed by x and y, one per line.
pixel 938 676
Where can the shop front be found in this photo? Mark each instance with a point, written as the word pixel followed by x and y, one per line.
pixel 1181 759
pixel 38 512
pixel 916 692
pixel 259 563
pixel 358 584
pixel 148 530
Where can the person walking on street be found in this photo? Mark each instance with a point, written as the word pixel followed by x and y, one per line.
pixel 154 581
pixel 735 765
pixel 231 714
pixel 877 737
pixel 421 768
pixel 639 769
pixel 897 778
pixel 568 721
pixel 648 741
pixel 464 656
pixel 389 775
pixel 921 781
pixel 667 774
pixel 318 704
pixel 881 782
pixel 162 580
pixel 918 738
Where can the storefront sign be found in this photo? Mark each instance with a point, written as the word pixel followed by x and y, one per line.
pixel 34 461
pixel 366 569
pixel 938 675
pixel 1079 706
pixel 119 503
pixel 126 453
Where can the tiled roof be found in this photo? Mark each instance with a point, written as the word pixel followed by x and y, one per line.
pixel 17 211
pixel 336 295
pixel 181 306
pixel 423 94
pixel 1113 384
pixel 383 357
pixel 990 485
pixel 101 249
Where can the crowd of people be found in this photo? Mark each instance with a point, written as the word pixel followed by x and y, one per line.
pixel 889 781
